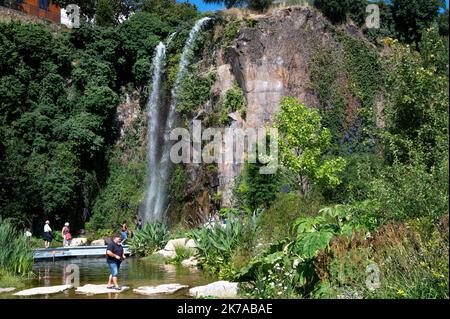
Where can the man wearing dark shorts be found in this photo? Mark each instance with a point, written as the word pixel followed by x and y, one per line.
pixel 114 256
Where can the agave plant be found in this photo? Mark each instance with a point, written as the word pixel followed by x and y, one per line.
pixel 16 255
pixel 152 237
pixel 215 245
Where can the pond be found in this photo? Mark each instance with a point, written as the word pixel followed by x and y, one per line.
pixel 134 272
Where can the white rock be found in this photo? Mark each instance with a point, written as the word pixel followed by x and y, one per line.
pixel 191 244
pixel 98 289
pixel 167 253
pixel 190 262
pixel 9 289
pixel 171 244
pixel 219 289
pixel 78 242
pixel 43 290
pixel 98 242
pixel 161 289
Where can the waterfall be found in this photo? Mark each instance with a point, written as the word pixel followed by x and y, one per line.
pixel 153 107
pixel 159 165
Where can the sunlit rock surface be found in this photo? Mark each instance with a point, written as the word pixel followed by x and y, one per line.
pixel 165 289
pixel 219 289
pixel 98 289
pixel 43 290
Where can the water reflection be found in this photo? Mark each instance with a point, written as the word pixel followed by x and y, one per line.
pixel 133 273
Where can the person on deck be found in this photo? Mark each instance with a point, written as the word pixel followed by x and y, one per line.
pixel 67 237
pixel 114 257
pixel 124 231
pixel 47 234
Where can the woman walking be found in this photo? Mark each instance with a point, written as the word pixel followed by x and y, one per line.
pixel 67 237
pixel 47 234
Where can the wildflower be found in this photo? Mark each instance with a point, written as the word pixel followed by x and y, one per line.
pixel 400 292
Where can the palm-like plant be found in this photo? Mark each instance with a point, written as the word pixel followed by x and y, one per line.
pixel 152 237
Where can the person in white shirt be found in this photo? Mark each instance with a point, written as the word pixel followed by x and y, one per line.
pixel 47 234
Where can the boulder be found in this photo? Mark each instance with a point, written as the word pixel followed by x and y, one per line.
pixel 90 289
pixel 159 290
pixel 43 290
pixel 9 289
pixel 81 241
pixel 190 262
pixel 167 253
pixel 191 244
pixel 98 242
pixel 171 244
pixel 218 289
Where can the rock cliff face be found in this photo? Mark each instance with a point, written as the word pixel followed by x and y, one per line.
pixel 269 61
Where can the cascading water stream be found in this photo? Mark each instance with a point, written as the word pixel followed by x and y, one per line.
pixel 154 102
pixel 159 165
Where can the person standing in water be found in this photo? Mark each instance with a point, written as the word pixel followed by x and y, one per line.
pixel 47 234
pixel 114 257
pixel 67 237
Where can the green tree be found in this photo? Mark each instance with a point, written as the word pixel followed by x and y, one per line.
pixel 254 189
pixel 303 145
pixel 339 10
pixel 413 16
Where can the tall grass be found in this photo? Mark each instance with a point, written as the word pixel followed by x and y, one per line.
pixel 16 255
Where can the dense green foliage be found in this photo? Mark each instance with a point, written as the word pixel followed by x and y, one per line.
pixel 59 98
pixel 152 237
pixel 255 190
pixel 339 10
pixel 16 256
pixel 303 143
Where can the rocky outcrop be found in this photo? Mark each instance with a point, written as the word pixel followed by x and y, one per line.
pixel 270 59
pixel 165 289
pixel 218 289
pixel 43 290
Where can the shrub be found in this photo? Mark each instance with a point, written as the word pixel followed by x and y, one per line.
pixel 275 222
pixel 217 244
pixel 16 255
pixel 405 191
pixel 151 238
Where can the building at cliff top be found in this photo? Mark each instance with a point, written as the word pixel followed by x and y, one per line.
pixel 43 9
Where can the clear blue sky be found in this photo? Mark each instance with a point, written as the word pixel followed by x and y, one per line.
pixel 201 6
pixel 211 6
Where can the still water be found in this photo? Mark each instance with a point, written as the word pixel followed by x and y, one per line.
pixel 133 273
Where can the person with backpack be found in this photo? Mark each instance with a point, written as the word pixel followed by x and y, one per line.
pixel 47 236
pixel 67 237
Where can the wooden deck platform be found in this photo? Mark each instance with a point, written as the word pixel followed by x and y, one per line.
pixel 66 252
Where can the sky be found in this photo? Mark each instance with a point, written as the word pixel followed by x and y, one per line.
pixel 201 6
